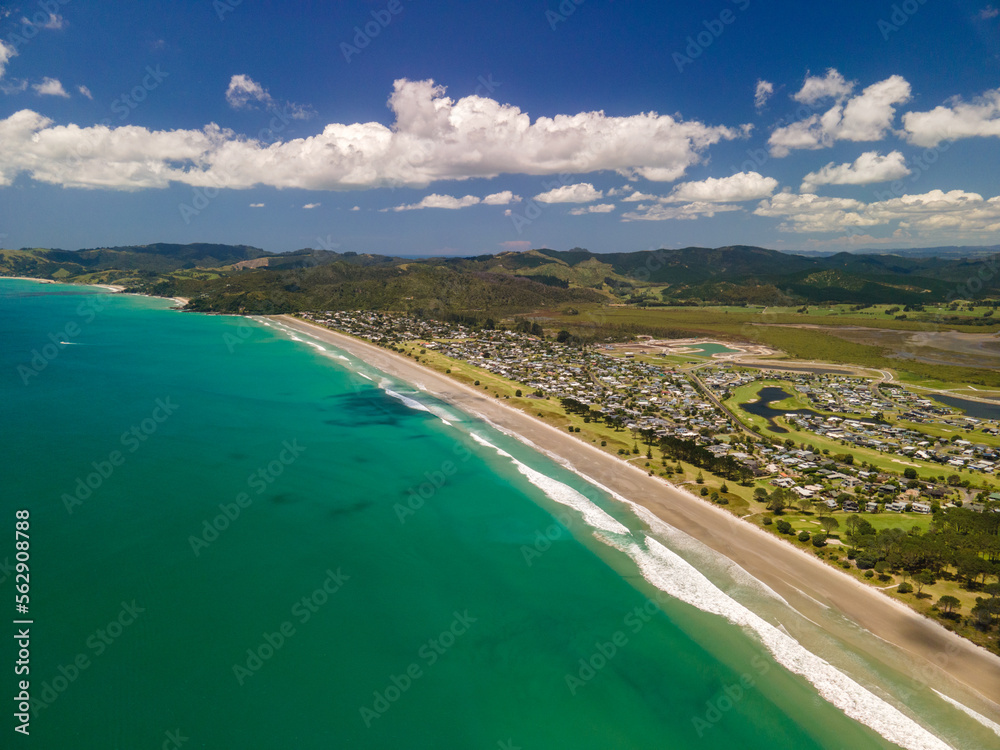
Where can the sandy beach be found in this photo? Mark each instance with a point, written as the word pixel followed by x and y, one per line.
pixel 31 278
pixel 927 653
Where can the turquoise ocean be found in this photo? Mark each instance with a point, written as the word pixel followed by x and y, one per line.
pixel 243 538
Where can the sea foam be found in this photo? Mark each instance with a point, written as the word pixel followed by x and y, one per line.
pixel 562 493
pixel 991 725
pixel 670 573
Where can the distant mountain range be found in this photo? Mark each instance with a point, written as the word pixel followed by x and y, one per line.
pixel 949 251
pixel 240 278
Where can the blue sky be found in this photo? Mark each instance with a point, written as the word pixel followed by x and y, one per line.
pixel 410 127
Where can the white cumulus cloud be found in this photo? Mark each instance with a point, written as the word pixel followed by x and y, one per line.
pixel 762 93
pixel 868 168
pixel 600 208
pixel 503 198
pixel 956 211
pixel 441 201
pixel 865 117
pixel 743 186
pixel 582 192
pixel 312 205
pixel 50 87
pixel 830 86
pixel 690 211
pixel 638 197
pixel 6 52
pixel 243 90
pixel 85 92
pixel 432 138
pixel 958 119
pixel 244 93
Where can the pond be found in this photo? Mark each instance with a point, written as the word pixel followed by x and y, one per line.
pixel 977 409
pixel 762 408
pixel 708 350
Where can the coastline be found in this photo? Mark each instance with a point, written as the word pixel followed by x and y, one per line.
pixel 930 655
pixel 114 288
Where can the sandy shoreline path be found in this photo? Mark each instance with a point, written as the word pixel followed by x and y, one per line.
pixel 932 655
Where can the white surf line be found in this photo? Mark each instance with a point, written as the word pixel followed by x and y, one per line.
pixel 833 685
pixel 651 519
pixel 561 493
pixel 291 332
pixel 670 573
pixel 991 725
pixel 415 405
pixel 441 414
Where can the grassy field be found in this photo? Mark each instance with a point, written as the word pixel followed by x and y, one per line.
pixel 882 461
pixel 772 327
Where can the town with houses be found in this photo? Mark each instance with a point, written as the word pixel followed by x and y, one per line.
pixel 660 401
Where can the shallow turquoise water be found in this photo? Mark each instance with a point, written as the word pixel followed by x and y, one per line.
pixel 459 599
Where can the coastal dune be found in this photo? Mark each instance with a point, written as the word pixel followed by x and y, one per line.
pixel 929 655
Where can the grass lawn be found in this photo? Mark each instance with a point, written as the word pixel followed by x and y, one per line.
pixel 883 461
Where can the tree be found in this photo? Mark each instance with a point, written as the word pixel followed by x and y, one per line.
pixel 829 524
pixel 910 473
pixel 699 479
pixel 948 604
pixel 563 336
pixel 777 501
pixel 923 578
pixel 760 494
pixel 858 527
